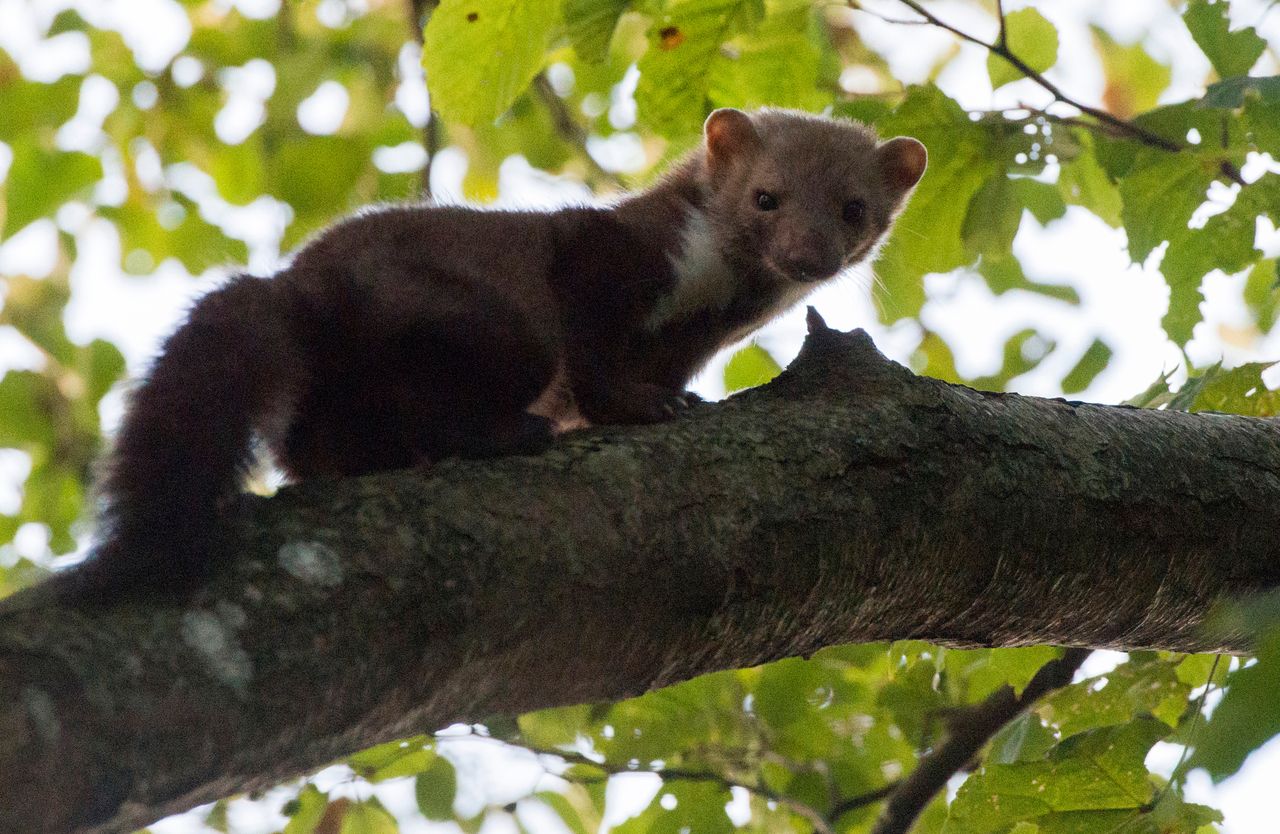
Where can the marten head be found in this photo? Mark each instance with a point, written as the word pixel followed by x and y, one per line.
pixel 803 196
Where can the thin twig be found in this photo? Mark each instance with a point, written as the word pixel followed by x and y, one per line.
pixel 810 813
pixel 419 12
pixel 1002 49
pixel 1191 733
pixel 569 129
pixel 1002 40
pixel 968 730
pixel 859 801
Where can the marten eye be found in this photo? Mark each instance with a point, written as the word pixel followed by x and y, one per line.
pixel 854 211
pixel 766 201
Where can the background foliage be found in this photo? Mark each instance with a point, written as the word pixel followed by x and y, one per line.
pixel 803 744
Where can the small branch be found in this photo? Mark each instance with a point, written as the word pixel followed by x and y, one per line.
pixel 1001 48
pixel 820 823
pixel 569 129
pixel 1002 40
pixel 419 11
pixel 860 801
pixel 968 730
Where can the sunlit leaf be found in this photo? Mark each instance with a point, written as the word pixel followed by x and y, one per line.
pixel 1030 37
pixel 481 54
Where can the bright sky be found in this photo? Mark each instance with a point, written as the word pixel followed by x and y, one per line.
pixel 1121 303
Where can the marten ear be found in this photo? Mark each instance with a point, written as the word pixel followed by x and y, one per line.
pixel 730 135
pixel 902 163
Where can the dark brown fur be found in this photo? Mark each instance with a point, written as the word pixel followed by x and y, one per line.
pixel 406 334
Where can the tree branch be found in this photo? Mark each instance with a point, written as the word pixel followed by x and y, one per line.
pixel 848 500
pixel 569 129
pixel 968 731
pixel 1001 48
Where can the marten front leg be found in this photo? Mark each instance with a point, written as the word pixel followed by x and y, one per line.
pixel 607 396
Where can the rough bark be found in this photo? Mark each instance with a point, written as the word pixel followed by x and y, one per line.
pixel 849 500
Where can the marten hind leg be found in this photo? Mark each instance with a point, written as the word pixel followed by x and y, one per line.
pixel 448 373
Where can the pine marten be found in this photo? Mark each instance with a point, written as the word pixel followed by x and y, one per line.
pixel 406 334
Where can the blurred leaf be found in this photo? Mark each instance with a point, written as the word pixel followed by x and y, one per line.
pixel 1135 80
pixel 1245 718
pixel 1084 182
pixel 1160 195
pixel 591 24
pixel 1030 37
pixel 368 817
pixel 698 806
pixel 1262 293
pixel 306 811
pixel 980 672
pixel 748 368
pixel 24 411
pixel 1024 350
pixel 1025 739
pixel 568 814
pixel 481 54
pixel 435 789
pixel 1233 93
pixel 928 236
pixel 992 218
pixel 1231 53
pixel 40 181
pixel 1092 362
pixel 777 65
pixel 1042 199
pixel 1226 242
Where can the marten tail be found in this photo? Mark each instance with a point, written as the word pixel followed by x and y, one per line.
pixel 186 441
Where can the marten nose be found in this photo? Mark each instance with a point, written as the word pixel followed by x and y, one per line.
pixel 811 263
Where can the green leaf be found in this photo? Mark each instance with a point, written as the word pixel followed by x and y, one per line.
pixel 1246 718
pixel 564 809
pixel 1233 93
pixel 928 236
pixel 591 24
pixel 480 55
pixel 557 727
pixel 435 789
pixel 368 817
pixel 1030 37
pixel 1024 739
pixel 1084 182
pixel 100 364
pixel 1160 194
pixel 671 96
pixel 306 811
pixel 1102 770
pixel 1135 80
pixel 1042 199
pixel 992 218
pixel 393 759
pixel 24 412
pixel 748 368
pixel 1131 690
pixel 1092 362
pixel 1262 293
pixel 1231 53
pixel 40 181
pixel 1226 242
pixel 1240 390
pixel 777 65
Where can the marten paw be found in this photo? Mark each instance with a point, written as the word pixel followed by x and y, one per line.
pixel 645 403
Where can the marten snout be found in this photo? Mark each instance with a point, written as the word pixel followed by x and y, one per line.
pixel 806 255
